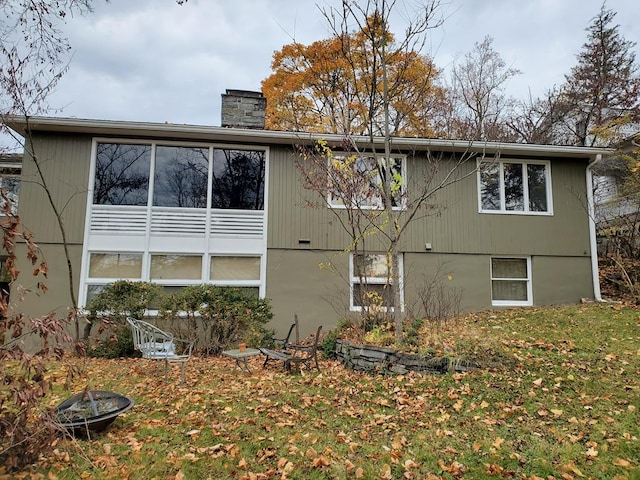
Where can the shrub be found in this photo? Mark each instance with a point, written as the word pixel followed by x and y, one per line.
pixel 328 345
pixel 220 317
pixel 119 343
pixel 111 307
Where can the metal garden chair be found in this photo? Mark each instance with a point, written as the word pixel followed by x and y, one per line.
pixel 156 344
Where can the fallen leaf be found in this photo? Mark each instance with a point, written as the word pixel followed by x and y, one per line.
pixel 621 462
pixel 571 468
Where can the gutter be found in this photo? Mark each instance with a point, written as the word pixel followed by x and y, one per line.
pixel 205 133
pixel 591 210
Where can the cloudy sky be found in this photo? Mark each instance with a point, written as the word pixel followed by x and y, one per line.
pixel 152 60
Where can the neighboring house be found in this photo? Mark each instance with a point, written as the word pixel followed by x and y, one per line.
pixel 185 204
pixel 617 207
pixel 10 169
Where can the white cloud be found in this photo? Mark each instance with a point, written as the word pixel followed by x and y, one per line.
pixel 152 60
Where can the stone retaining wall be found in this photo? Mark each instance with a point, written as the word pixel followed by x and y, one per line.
pixel 370 358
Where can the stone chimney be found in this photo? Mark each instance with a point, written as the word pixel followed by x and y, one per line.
pixel 243 109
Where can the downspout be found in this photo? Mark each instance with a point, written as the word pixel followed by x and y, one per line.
pixel 593 242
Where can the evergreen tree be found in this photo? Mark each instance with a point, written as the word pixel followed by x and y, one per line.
pixel 601 95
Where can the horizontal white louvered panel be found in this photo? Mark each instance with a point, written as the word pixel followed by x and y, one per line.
pixel 110 218
pixel 237 223
pixel 178 222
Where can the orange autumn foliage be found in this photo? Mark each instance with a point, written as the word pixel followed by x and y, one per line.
pixel 335 86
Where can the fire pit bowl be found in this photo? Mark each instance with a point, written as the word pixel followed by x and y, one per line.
pixel 91 411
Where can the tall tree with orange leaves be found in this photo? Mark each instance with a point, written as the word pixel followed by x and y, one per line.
pixel 327 86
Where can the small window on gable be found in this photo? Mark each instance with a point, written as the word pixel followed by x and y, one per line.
pixel 10 185
pixel 516 187
pixel 357 181
pixel 511 281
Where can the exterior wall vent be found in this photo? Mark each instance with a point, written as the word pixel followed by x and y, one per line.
pixel 243 109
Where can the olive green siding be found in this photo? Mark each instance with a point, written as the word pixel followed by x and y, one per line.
pixel 57 297
pixel 315 286
pixel 65 163
pixel 451 223
pixel 558 280
pixel 306 267
pixel 297 284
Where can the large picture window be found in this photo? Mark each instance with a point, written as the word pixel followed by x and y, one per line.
pixel 181 176
pixel 176 214
pixel 515 187
pixel 358 181
pixel 371 281
pixel 511 281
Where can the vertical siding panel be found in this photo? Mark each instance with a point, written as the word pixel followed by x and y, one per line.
pixel 451 222
pixel 65 162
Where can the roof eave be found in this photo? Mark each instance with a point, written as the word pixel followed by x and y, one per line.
pixel 21 125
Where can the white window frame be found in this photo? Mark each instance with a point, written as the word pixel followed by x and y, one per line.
pixel 334 203
pixel 354 280
pixel 525 185
pixel 237 283
pixel 511 303
pixel 183 244
pixel 13 171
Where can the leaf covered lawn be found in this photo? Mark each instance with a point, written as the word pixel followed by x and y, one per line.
pixel 564 407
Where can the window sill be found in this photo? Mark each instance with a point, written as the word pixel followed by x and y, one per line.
pixel 517 212
pixel 509 303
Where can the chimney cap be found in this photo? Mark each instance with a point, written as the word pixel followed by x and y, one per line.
pixel 243 93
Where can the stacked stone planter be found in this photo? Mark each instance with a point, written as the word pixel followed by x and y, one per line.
pixel 369 358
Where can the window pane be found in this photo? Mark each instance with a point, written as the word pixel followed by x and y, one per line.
pixel 92 292
pixel 368 190
pixel 180 178
pixel 359 183
pixel 115 265
pixel 238 179
pixel 372 266
pixel 395 166
pixel 537 183
pixel 509 268
pixel 372 294
pixel 176 267
pixel 235 268
pixel 509 290
pixel 122 174
pixel 10 184
pixel 513 186
pixel 490 185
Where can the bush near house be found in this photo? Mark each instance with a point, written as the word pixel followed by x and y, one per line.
pixel 218 317
pixel 110 309
pixel 213 317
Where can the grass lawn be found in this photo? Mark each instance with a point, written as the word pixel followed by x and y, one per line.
pixel 564 407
